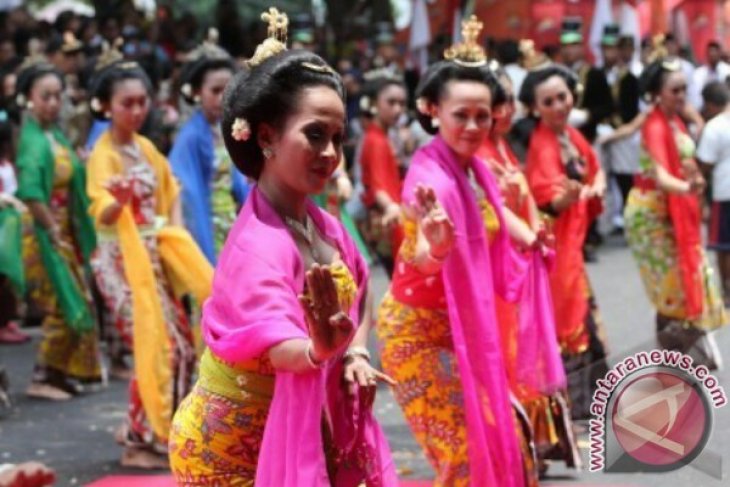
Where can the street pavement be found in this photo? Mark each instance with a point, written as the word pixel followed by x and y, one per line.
pixel 76 438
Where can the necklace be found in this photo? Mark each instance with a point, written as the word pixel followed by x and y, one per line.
pixel 131 150
pixel 304 230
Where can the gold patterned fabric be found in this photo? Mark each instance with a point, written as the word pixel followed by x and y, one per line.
pixel 217 431
pixel 62 349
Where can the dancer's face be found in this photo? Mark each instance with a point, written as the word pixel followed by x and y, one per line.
pixel 211 93
pixel 673 94
pixel 308 146
pixel 553 102
pixel 45 96
pixel 390 104
pixel 464 112
pixel 504 112
pixel 129 105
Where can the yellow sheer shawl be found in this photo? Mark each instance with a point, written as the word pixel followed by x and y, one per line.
pixel 188 268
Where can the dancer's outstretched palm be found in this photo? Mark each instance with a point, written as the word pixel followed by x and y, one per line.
pixel 434 222
pixel 329 326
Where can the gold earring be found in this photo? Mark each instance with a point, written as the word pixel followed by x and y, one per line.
pixel 268 153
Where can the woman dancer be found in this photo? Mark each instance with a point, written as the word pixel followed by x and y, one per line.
pixel 529 343
pixel 567 183
pixel 437 323
pixel 383 103
pixel 270 406
pixel 212 188
pixel 145 259
pixel 51 182
pixel 663 220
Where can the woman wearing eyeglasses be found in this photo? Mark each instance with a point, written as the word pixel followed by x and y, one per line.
pixel 663 219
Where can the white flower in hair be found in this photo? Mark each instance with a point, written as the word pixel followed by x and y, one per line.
pixel 241 130
pixel 365 103
pixel 422 106
pixel 95 104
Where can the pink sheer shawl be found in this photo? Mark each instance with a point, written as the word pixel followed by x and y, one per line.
pixel 494 453
pixel 253 307
pixel 539 364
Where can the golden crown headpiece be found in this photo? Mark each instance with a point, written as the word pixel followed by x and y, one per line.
pixel 35 56
pixel 70 43
pixel 469 52
pixel 111 54
pixel 532 59
pixel 385 73
pixel 34 60
pixel 660 53
pixel 209 48
pixel 276 40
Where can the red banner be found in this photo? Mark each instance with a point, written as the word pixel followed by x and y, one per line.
pixel 703 17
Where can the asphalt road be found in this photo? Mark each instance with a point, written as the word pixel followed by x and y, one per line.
pixel 76 439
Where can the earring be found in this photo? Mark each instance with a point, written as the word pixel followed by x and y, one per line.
pixel 435 122
pixel 29 105
pixel 373 111
pixel 196 99
pixel 267 153
pixel 107 114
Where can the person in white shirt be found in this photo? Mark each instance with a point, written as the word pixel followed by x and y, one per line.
pixel 713 153
pixel 675 50
pixel 715 70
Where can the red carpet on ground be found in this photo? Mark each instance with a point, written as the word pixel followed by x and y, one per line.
pixel 166 481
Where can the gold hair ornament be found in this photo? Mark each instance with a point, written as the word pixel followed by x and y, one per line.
pixel 318 68
pixel 70 43
pixel 385 73
pixel 532 59
pixel 209 48
pixel 275 43
pixel 35 57
pixel 469 52
pixel 660 53
pixel 111 55
pixel 35 60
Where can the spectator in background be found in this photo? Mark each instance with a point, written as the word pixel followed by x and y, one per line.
pixel 714 70
pixel 508 55
pixel 7 50
pixel 714 155
pixel 627 54
pixel 674 50
pixel 618 138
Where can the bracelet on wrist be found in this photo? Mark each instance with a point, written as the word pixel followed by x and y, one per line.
pixel 435 259
pixel 356 351
pixel 309 353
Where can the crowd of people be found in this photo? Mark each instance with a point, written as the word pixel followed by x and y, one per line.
pixel 203 226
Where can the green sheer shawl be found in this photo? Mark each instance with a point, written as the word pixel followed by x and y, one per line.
pixel 36 166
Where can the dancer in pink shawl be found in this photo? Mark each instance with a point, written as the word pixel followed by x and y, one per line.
pixel 285 391
pixel 438 323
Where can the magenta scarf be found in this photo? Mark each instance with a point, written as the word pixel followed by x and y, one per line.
pixel 494 453
pixel 539 366
pixel 253 307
